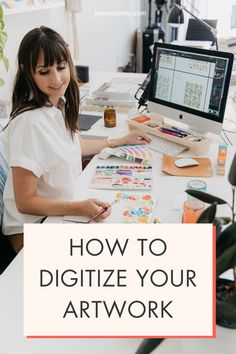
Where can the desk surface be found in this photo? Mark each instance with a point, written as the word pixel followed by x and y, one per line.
pixel 168 191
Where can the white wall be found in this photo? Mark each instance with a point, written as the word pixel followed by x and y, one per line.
pixel 105 41
pixel 215 9
pixel 18 25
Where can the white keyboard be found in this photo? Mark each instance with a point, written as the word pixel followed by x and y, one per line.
pixel 165 146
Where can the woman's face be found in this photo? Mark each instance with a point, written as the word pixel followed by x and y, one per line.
pixel 52 80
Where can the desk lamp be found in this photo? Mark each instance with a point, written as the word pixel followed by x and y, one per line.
pixel 74 6
pixel 176 18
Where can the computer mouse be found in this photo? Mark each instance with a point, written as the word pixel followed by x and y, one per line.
pixel 186 162
pixel 105 153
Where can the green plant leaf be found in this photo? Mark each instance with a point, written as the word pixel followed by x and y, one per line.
pixel 218 227
pixel 3 38
pixel 148 345
pixel 223 220
pixel 232 172
pixel 226 310
pixel 1 12
pixel 205 197
pixel 2 24
pixel 226 260
pixel 5 62
pixel 208 215
pixel 1 82
pixel 226 239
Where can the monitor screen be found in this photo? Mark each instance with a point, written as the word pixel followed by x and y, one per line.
pixel 190 85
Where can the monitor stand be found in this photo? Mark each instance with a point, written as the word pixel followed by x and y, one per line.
pixel 153 123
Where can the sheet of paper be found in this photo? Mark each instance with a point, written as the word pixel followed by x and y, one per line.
pixel 122 177
pixel 129 208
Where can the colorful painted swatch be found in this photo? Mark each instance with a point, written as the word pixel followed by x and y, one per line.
pixel 122 177
pixel 135 208
pixel 134 153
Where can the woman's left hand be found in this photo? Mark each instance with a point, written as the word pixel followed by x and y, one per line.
pixel 135 137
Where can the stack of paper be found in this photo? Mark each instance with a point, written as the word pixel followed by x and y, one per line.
pixel 118 92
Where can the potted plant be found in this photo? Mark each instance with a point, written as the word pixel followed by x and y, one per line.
pixel 225 288
pixel 3 40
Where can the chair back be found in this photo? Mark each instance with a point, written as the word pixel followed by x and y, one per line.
pixel 3 177
pixel 7 254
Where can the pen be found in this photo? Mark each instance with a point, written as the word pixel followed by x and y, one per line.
pixel 179 135
pixel 100 212
pixel 181 131
pixel 172 131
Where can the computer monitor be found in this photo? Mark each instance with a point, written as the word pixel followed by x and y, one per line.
pixel 190 85
pixel 196 31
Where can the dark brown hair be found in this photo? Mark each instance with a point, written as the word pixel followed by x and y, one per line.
pixel 26 95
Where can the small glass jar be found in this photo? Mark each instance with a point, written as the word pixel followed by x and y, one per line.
pixel 192 210
pixel 197 185
pixel 109 117
pixel 193 207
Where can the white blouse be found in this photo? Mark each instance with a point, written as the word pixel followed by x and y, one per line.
pixel 38 141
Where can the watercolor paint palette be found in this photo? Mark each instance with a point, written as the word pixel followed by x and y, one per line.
pixel 136 177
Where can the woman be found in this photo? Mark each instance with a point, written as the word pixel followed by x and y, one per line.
pixel 42 142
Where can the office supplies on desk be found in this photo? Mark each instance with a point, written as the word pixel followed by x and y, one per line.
pixel 118 87
pixel 101 212
pixel 192 211
pixel 171 132
pixel 109 117
pixel 122 177
pixel 204 168
pixel 186 162
pixel 167 138
pixel 221 159
pixel 164 146
pixel 133 153
pixel 197 185
pixel 100 108
pixel 104 102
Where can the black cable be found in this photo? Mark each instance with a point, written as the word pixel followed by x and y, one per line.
pixel 142 100
pixel 145 109
pixel 230 142
pixel 223 140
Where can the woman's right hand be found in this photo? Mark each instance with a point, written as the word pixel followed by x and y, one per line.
pixel 92 207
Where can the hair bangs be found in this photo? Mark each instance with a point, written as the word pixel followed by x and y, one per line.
pixel 53 53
